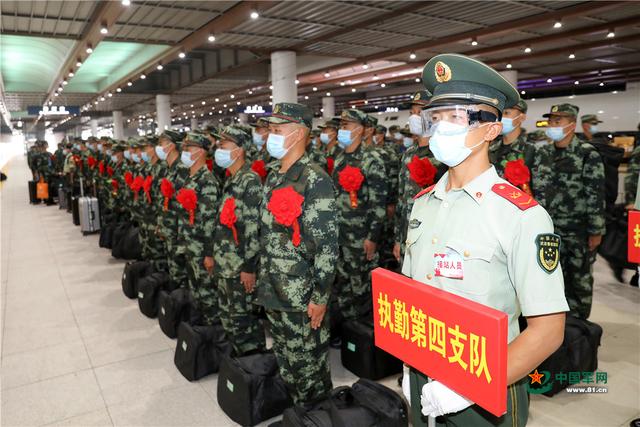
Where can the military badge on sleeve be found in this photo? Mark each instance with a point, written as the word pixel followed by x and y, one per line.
pixel 548 253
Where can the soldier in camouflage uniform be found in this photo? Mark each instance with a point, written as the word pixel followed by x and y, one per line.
pixel 512 144
pixel 195 229
pixel 115 184
pixel 32 151
pixel 299 251
pixel 362 214
pixel 44 168
pixel 175 173
pixel 314 151
pixel 236 243
pixel 568 181
pixel 631 179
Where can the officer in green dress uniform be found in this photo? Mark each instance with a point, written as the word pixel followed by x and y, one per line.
pixel 493 230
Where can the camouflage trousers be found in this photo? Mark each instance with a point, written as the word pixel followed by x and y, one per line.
pixel 152 247
pixel 239 316
pixel 302 354
pixel 353 287
pixel 175 264
pixel 203 289
pixel 576 261
pixel 516 415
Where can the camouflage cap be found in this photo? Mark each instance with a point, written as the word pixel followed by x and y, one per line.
pixel 172 135
pixel 333 123
pixel 262 122
pixel 133 143
pixel 405 131
pixel 119 146
pixel 381 129
pixel 196 139
pixel 237 134
pixel 354 115
pixel 394 128
pixel 457 79
pixel 68 145
pixel 371 122
pixel 421 97
pixel 108 142
pixel 522 106
pixel 289 112
pixel 567 110
pixel 315 132
pixel 590 118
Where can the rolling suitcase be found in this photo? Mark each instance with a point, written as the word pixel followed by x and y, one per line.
pixel 33 199
pixel 63 201
pixel 89 215
pixel 75 210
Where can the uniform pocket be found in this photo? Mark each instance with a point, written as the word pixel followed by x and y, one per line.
pixel 476 267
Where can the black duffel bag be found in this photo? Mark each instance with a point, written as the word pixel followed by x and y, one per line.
pixel 119 231
pixel 133 272
pixel 614 243
pixel 300 417
pixel 250 388
pixel 174 307
pixel 106 236
pixel 148 289
pixel 199 350
pixel 360 355
pixel 578 353
pixel 130 244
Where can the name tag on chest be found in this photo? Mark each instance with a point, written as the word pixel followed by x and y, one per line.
pixel 448 264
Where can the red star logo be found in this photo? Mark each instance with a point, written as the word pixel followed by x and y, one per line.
pixel 536 377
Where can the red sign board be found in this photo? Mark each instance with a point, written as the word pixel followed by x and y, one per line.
pixel 633 240
pixel 459 342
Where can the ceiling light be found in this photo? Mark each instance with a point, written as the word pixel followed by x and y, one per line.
pixel 79 63
pixel 71 74
pixel 509 66
pixel 315 89
pixel 342 83
pixel 250 92
pixel 577 82
pixel 614 92
pixel 56 94
pixel 182 55
pixel 611 34
pixel 572 56
pixel 527 49
pixel 383 85
pixel 238 103
pixel 549 80
pixel 89 49
pixel 204 102
pixel 522 92
pixel 102 98
pixel 109 94
pixel 600 112
pixel 417 80
pixel 217 99
pixel 211 38
pixel 159 67
pixel 533 99
pixel 365 66
pixel 254 15
pixel 129 83
pixel 353 89
pixel 64 82
pixel 601 84
pixel 118 90
pixel 60 89
pixel 191 105
pixel 474 42
pixel 375 77
pixel 328 94
pixel 326 74
pixel 142 76
pixel 271 87
pixel 223 105
pixel 306 97
pixel 126 2
pixel 412 55
pixel 557 24
pixel 297 81
pixel 104 30
pixel 232 96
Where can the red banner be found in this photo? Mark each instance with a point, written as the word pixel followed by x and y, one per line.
pixel 633 240
pixel 459 342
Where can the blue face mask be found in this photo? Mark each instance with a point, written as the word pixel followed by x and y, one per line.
pixel 324 138
pixel 507 125
pixel 257 140
pixel 187 159
pixel 100 147
pixel 275 145
pixel 135 157
pixel 109 152
pixel 127 155
pixel 593 128
pixel 114 158
pixel 223 158
pixel 407 142
pixel 161 153
pixel 555 133
pixel 145 157
pixel 344 138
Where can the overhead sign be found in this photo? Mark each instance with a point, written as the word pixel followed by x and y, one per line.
pixel 54 110
pixel 459 342
pixel 254 109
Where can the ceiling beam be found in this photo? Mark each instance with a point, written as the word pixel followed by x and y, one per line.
pixel 564 50
pixel 411 7
pixel 556 36
pixel 504 27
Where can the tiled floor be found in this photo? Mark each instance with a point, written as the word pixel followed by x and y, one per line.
pixel 76 352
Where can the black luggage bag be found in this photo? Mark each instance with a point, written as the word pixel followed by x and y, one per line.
pixel 199 350
pixel 126 243
pixel 33 199
pixel 75 210
pixel 250 388
pixel 578 353
pixel 360 355
pixel 106 236
pixel 133 272
pixel 174 307
pixel 148 288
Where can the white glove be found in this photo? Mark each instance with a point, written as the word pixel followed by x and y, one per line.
pixel 438 399
pixel 406 384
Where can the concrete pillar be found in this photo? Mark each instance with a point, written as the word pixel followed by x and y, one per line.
pixel 283 77
pixel 511 76
pixel 194 124
pixel 94 127
pixel 328 107
pixel 118 131
pixel 40 129
pixel 163 112
pixel 243 118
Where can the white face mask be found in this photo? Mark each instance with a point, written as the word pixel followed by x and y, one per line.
pixel 276 143
pixel 447 143
pixel 415 125
pixel 407 142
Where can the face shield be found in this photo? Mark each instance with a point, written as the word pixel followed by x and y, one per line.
pixel 464 116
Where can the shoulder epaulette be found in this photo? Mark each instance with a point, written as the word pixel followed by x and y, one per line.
pixel 515 195
pixel 423 192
